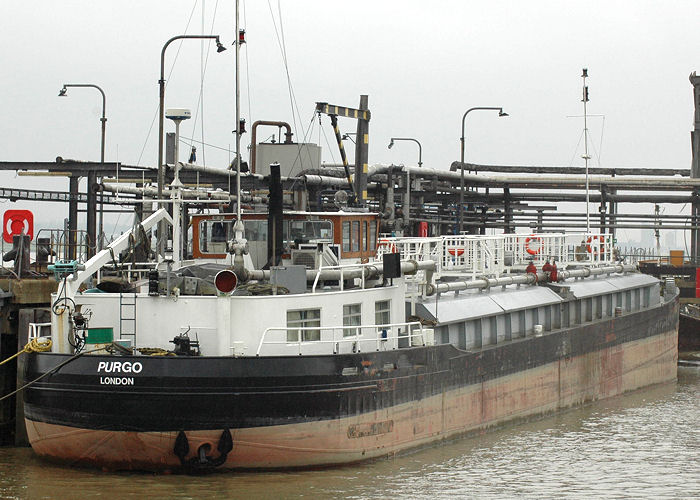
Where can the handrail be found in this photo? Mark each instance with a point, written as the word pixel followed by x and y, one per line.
pixel 340 267
pixel 345 339
pixel 495 255
pixel 35 329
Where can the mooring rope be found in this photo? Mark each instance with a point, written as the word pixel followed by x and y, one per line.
pixel 52 370
pixel 34 345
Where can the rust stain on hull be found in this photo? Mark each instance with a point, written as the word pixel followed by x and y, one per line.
pixel 567 382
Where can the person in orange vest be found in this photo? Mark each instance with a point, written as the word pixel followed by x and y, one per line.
pixel 531 268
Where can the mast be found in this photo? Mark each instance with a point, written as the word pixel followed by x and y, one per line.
pixel 586 157
pixel 238 227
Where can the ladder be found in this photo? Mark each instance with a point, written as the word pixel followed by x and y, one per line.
pixel 127 317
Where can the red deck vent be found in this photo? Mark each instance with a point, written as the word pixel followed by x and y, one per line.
pixel 225 281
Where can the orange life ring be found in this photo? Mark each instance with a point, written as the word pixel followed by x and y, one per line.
pixel 391 248
pixel 594 250
pixel 533 238
pixel 455 252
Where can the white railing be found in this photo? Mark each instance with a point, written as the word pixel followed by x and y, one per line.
pixel 496 255
pixel 341 268
pixel 35 330
pixel 414 333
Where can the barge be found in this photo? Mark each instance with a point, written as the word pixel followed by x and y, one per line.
pixel 342 359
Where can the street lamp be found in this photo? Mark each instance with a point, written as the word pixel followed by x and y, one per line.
pixel 420 148
pixel 407 207
pixel 461 159
pixel 92 176
pixel 161 104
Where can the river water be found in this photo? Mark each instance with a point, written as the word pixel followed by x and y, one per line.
pixel 640 445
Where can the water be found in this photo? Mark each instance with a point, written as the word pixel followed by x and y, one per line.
pixel 642 445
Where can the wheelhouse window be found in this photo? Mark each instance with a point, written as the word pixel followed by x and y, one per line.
pixel 346 236
pixel 213 235
pixel 299 321
pixel 352 316
pixel 364 236
pixel 373 235
pixel 356 236
pixel 382 312
pixel 309 231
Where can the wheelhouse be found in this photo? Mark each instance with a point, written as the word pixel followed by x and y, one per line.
pixel 350 235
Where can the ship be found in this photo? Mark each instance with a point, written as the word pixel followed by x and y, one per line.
pixel 351 346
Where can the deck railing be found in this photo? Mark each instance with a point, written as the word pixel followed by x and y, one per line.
pixel 377 336
pixel 497 255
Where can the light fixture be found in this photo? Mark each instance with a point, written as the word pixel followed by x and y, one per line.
pixel 502 113
pixel 391 144
pixel 219 46
pixel 62 92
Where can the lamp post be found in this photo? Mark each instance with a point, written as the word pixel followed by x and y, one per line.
pixel 461 159
pixel 92 176
pixel 407 211
pixel 161 104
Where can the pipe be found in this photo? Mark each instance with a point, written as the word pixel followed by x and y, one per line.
pixel 525 279
pixel 186 194
pixel 224 172
pixel 254 137
pixel 370 272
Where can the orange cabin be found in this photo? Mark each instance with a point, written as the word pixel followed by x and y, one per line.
pixel 354 235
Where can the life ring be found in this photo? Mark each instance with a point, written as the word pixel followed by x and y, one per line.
pixel 592 249
pixel 388 245
pixel 533 239
pixel 455 252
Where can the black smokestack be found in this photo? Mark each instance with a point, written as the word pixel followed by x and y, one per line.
pixel 274 221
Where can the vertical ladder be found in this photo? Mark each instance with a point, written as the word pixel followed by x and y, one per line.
pixel 127 317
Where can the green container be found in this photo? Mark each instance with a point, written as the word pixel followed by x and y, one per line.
pixel 99 335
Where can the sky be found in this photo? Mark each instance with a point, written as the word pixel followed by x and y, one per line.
pixel 422 64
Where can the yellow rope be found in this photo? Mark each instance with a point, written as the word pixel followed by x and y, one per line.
pixel 34 345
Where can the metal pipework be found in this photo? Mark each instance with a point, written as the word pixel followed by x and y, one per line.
pixel 254 135
pixel 525 279
pixel 369 272
pixel 186 194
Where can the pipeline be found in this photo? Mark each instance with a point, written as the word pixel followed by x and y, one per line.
pixel 526 279
pixel 254 133
pixel 186 193
pixel 370 272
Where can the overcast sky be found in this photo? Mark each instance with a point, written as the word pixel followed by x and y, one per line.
pixel 421 63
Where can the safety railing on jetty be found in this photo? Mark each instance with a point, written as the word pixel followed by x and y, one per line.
pixel 331 339
pixel 477 255
pixel 51 245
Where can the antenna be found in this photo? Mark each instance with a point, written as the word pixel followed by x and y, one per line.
pixel 238 226
pixel 586 156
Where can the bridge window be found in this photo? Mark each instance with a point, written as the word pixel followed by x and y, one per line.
pixel 346 236
pixel 352 316
pixel 356 236
pixel 299 320
pixel 382 312
pixel 364 236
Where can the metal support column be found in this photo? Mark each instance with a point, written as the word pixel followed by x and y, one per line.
pixel 508 211
pixel 73 217
pixel 695 167
pixel 362 154
pixel 91 213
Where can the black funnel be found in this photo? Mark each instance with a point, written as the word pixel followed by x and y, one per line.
pixel 274 221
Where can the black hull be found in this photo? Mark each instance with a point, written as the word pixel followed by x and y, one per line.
pixel 688 333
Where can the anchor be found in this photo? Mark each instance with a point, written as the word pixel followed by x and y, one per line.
pixel 202 460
